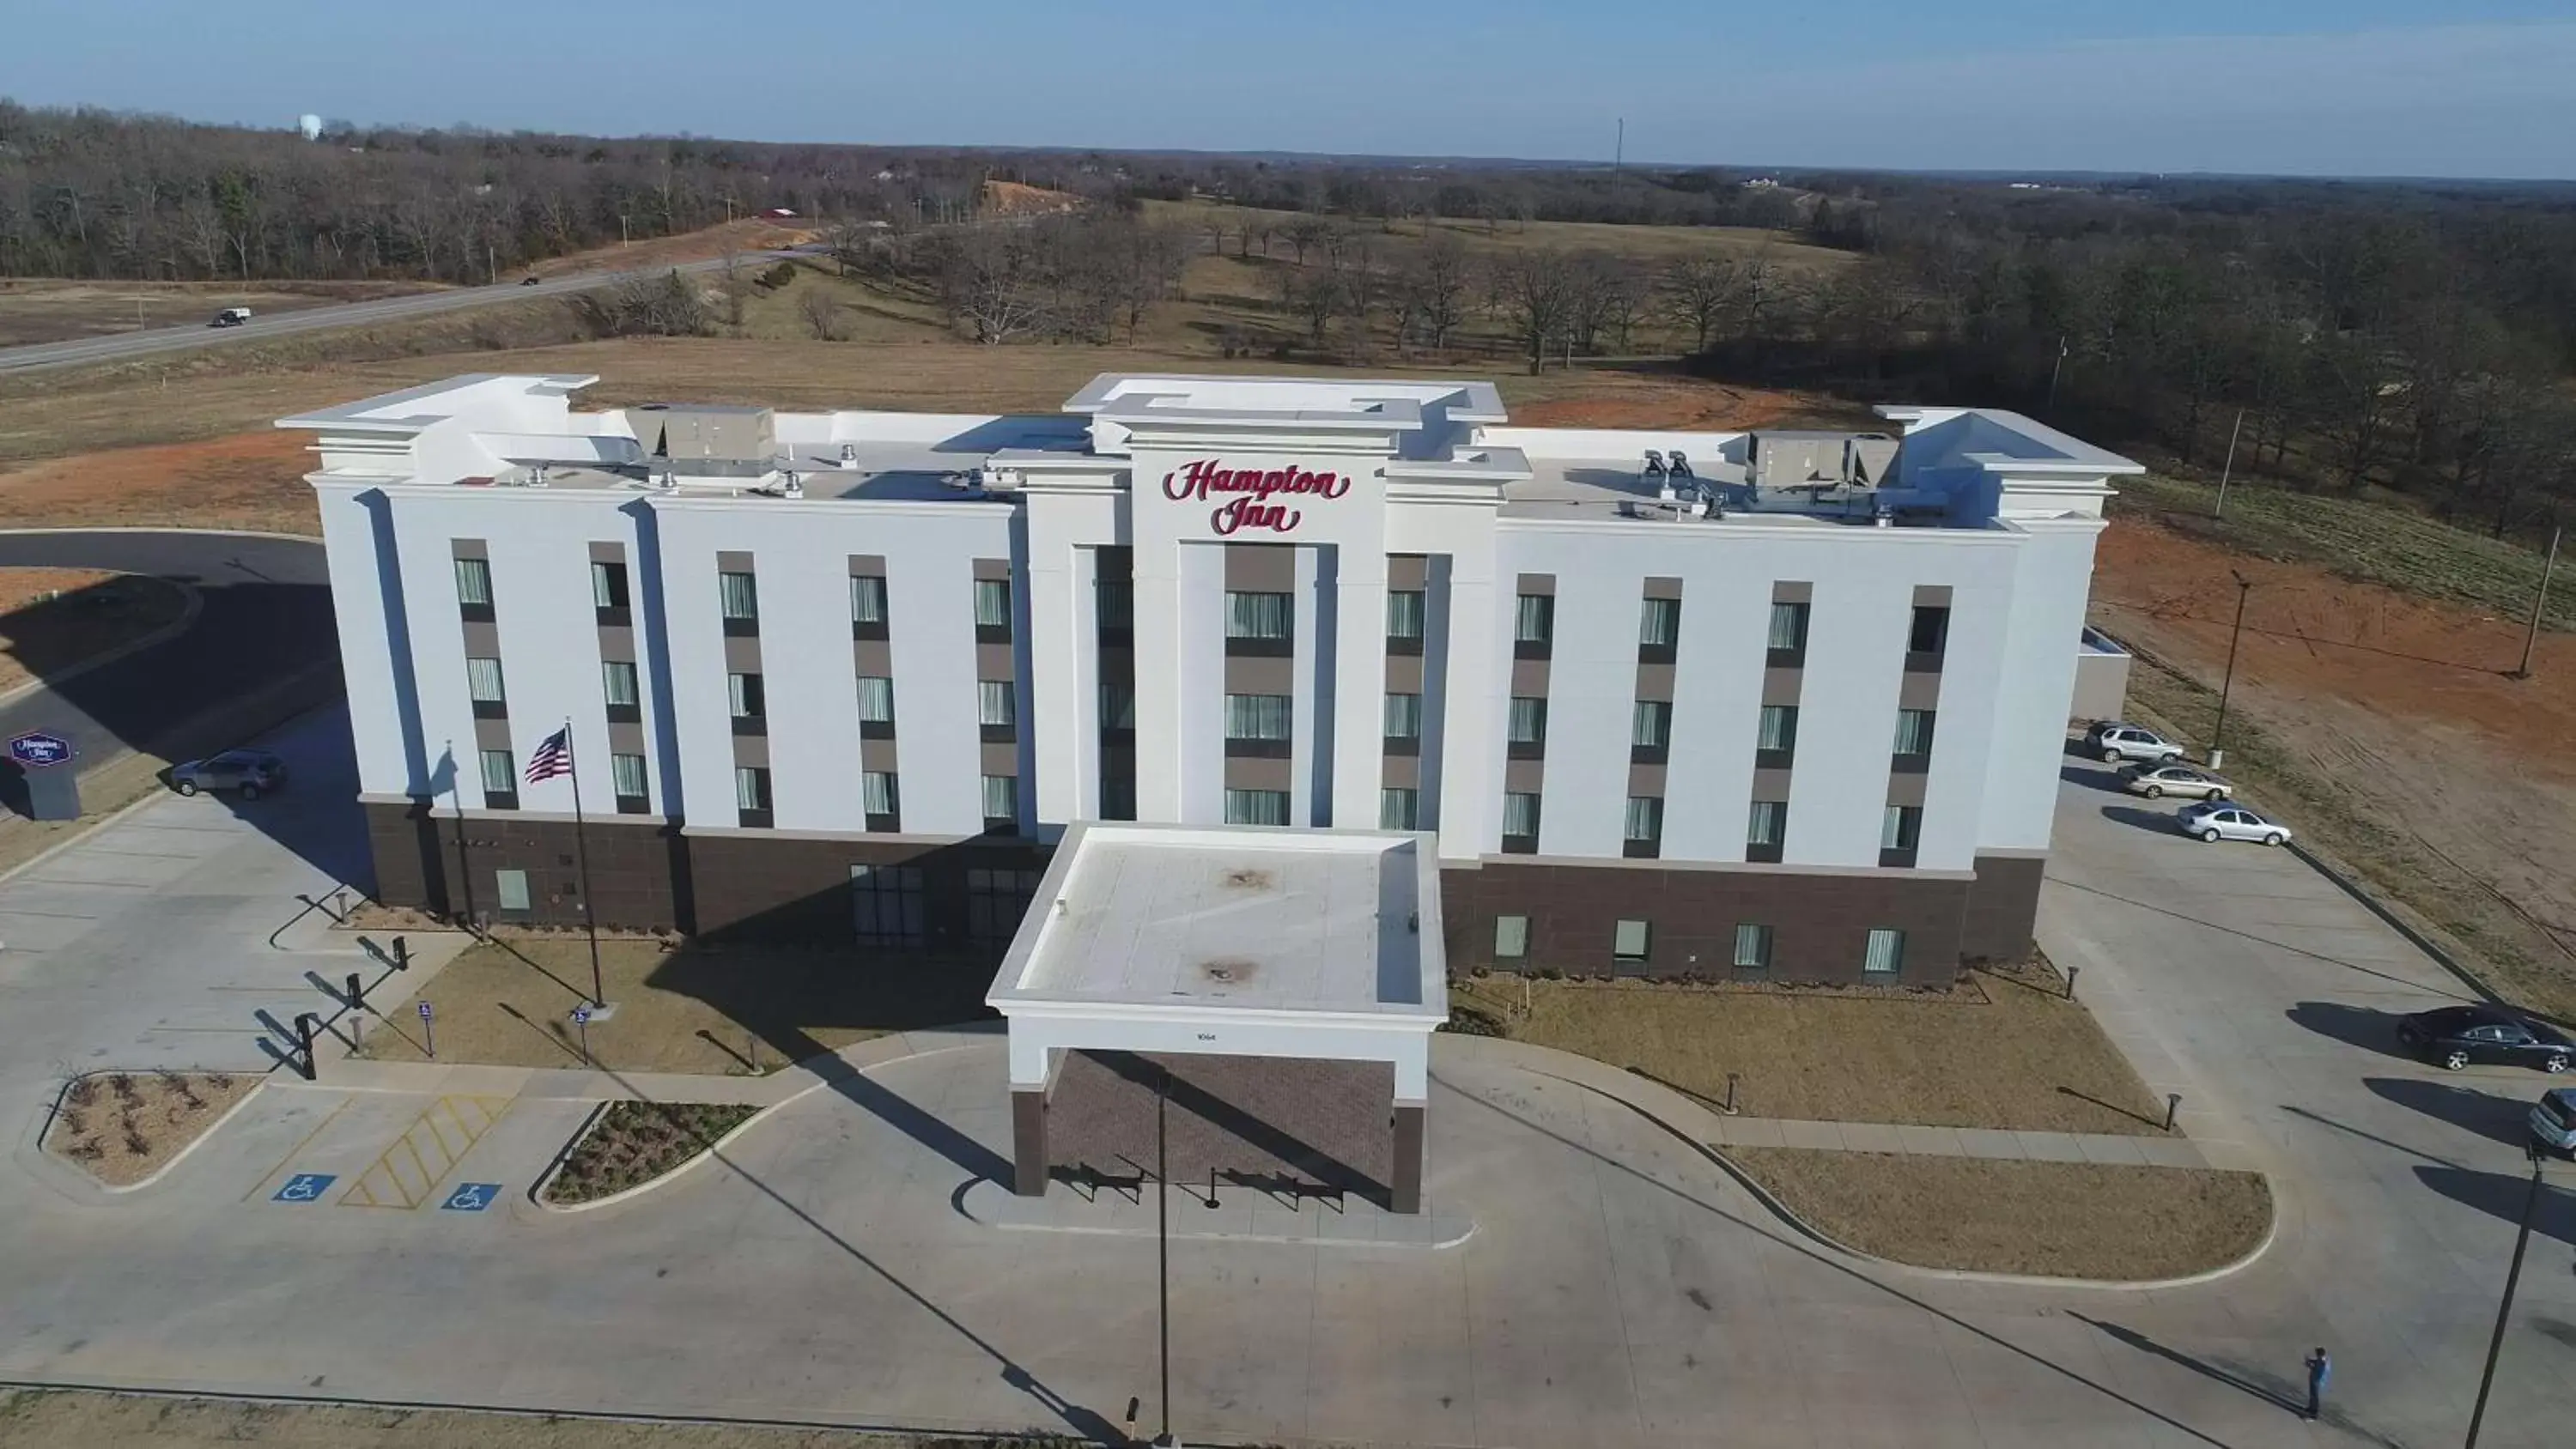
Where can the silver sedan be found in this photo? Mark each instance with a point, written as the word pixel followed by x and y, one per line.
pixel 2216 820
pixel 2157 781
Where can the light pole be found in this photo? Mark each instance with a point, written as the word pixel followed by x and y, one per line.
pixel 1163 1242
pixel 2228 468
pixel 2058 367
pixel 2504 1310
pixel 2227 682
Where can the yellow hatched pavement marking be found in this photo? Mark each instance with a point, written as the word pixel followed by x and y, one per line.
pixel 411 1169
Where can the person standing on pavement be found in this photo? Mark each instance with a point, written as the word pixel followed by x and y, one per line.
pixel 2320 1369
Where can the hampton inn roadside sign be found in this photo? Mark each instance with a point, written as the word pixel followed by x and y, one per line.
pixel 1243 495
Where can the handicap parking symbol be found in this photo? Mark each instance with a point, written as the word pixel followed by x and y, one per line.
pixel 471 1197
pixel 304 1187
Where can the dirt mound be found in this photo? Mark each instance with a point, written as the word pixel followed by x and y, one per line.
pixel 1011 198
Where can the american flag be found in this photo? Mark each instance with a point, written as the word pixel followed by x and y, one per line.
pixel 553 758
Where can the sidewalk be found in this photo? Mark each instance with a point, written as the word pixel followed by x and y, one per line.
pixel 573 1084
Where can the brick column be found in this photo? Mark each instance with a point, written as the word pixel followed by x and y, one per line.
pixel 1407 1194
pixel 1029 1141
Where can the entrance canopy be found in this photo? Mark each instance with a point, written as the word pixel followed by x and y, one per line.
pixel 1230 941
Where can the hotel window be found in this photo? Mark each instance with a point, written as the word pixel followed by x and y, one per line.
pixel 1116 600
pixel 992 611
pixel 1404 716
pixel 1885 954
pixel 1659 628
pixel 741 599
pixel 1001 804
pixel 1650 726
pixel 1520 823
pixel 1511 937
pixel 1527 728
pixel 1259 623
pixel 617 686
pixel 1117 798
pixel 626 782
pixel 1399 809
pixel 886 901
pixel 1404 613
pixel 1256 807
pixel 1645 826
pixel 1931 631
pixel 1764 829
pixel 1257 724
pixel 608 591
pixel 995 901
pixel 483 686
pixel 500 774
pixel 1788 641
pixel 1899 832
pixel 748 701
pixel 996 708
pixel 1533 625
pixel 751 794
pixel 510 889
pixel 878 799
pixel 867 606
pixel 1913 733
pixel 1752 947
pixel 1117 709
pixel 474 587
pixel 1778 738
pixel 1629 940
pixel 876 707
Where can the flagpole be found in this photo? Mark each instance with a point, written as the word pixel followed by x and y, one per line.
pixel 581 850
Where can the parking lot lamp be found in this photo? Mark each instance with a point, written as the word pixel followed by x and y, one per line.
pixel 2227 682
pixel 2504 1310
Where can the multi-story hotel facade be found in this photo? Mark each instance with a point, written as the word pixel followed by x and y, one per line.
pixel 1793 708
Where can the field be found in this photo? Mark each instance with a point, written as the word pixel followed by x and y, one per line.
pixel 52 619
pixel 36 310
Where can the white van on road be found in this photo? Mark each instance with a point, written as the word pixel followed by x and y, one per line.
pixel 231 317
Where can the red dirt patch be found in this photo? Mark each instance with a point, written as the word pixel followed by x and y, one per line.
pixel 748 235
pixel 247 480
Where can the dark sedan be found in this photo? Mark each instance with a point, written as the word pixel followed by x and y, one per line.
pixel 2454 1036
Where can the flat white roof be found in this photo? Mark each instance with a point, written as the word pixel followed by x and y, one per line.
pixel 1234 918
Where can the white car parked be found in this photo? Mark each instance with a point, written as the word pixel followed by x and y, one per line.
pixel 2113 740
pixel 2215 820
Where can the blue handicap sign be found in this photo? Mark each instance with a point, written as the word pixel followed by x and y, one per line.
pixel 305 1187
pixel 425 1012
pixel 471 1197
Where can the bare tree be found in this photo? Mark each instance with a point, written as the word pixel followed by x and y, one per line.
pixel 1535 292
pixel 821 312
pixel 1698 292
pixel 1432 288
pixel 988 282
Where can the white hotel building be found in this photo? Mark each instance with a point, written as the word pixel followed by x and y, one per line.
pixel 1797 711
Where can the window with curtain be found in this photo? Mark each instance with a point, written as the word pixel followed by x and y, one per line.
pixel 1914 732
pixel 1534 619
pixel 1528 721
pixel 1256 807
pixel 1520 815
pixel 1645 817
pixel 740 595
pixel 750 788
pixel 1511 937
pixel 748 699
pixel 500 773
pixel 1398 808
pixel 483 681
pixel 992 603
pixel 877 792
pixel 1768 822
pixel 1659 623
pixel 1117 706
pixel 1651 725
pixel 1885 954
pixel 607 585
pixel 1404 716
pixel 1117 798
pixel 1404 613
pixel 1902 829
pixel 1002 797
pixel 1753 947
pixel 474 582
pixel 1629 940
pixel 1259 616
pixel 1779 727
pixel 626 775
pixel 1789 627
pixel 1257 716
pixel 617 681
pixel 867 599
pixel 1117 604
pixel 996 703
pixel 886 903
pixel 876 699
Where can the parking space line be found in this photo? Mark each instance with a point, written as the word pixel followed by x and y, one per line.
pixel 300 1144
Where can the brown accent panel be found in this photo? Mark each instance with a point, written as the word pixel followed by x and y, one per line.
pixel 1535 584
pixel 867 565
pixel 607 552
pixel 1820 923
pixel 2003 908
pixel 482 639
pixel 992 568
pixel 1261 568
pixel 752 750
pixel 1770 785
pixel 993 661
pixel 1919 691
pixel 1404 674
pixel 617 641
pixel 1780 686
pixel 1789 592
pixel 872 657
pixel 1655 681
pixel 1645 782
pixel 1904 788
pixel 1029 1142
pixel 1260 674
pixel 1400 772
pixel 1522 777
pixel 1408 571
pixel 1246 772
pixel 1663 588
pixel 1405 1193
pixel 1931 596
pixel 1244 1120
pixel 1529 678
pixel 742 653
pixel 468 548
pixel 627 739
pixel 732 561
pixel 493 734
pixel 1001 757
pixel 877 755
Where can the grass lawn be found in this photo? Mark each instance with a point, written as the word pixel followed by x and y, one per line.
pixel 52 619
pixel 2003 1050
pixel 2059 1219
pixel 688 1008
pixel 633 1143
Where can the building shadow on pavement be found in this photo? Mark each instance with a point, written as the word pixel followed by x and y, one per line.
pixel 2159 821
pixel 2496 1118
pixel 2092 777
pixel 2501 1195
pixel 2263 1387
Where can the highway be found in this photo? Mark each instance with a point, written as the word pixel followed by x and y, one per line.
pixel 121 346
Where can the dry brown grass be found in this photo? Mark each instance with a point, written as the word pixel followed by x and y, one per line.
pixel 122 1127
pixel 633 1143
pixel 2003 1050
pixel 682 1007
pixel 2057 1219
pixel 44 309
pixel 52 619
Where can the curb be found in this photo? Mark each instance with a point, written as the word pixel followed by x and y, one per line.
pixel 192 603
pixel 314 539
pixel 537 1189
pixel 116 1190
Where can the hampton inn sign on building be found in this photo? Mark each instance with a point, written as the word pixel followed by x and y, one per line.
pixel 1790 708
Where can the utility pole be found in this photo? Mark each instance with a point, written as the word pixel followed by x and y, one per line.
pixel 2540 604
pixel 2227 683
pixel 2229 467
pixel 2504 1310
pixel 2053 373
pixel 1618 157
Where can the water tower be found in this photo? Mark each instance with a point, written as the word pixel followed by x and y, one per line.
pixel 311 126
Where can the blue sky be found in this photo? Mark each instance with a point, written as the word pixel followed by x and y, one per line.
pixel 2372 87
